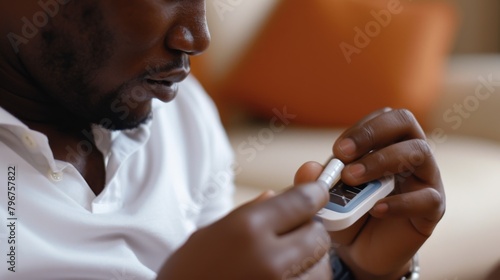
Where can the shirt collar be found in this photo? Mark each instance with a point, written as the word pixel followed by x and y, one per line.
pixel 7 119
pixel 121 142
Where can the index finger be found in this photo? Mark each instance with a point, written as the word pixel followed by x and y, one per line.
pixel 372 115
pixel 294 207
pixel 375 133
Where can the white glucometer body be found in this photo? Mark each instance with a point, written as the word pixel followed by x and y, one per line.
pixel 348 204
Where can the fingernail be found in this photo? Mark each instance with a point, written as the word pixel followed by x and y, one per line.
pixel 347 147
pixel 357 170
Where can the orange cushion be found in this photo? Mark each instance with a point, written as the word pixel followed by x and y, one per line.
pixel 332 62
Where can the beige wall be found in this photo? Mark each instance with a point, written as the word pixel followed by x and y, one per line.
pixel 233 23
pixel 480 26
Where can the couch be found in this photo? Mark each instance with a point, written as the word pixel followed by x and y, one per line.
pixel 461 122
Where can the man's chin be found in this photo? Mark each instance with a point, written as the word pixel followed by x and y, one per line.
pixel 125 117
pixel 117 124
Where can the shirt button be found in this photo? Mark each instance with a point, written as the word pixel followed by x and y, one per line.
pixel 56 176
pixel 29 141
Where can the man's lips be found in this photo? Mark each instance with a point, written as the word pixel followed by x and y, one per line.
pixel 163 90
pixel 164 85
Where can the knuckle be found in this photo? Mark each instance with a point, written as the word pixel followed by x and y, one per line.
pixel 245 225
pixel 421 148
pixel 405 116
pixel 380 159
pixel 250 226
pixel 367 134
pixel 434 199
pixel 423 145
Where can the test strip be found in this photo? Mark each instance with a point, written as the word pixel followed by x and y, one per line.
pixel 331 174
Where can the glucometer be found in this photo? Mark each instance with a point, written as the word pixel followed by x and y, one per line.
pixel 348 204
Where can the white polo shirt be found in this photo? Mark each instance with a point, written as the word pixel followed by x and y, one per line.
pixel 164 180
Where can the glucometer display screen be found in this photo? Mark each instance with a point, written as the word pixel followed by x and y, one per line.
pixel 342 194
pixel 344 198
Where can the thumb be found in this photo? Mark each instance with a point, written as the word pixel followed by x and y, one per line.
pixel 308 172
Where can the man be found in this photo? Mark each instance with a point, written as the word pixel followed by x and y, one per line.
pixel 103 181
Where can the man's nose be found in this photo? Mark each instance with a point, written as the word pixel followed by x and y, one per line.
pixel 190 33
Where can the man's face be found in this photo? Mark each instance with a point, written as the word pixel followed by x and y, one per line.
pixel 104 60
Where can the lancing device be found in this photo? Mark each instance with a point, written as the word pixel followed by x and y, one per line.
pixel 348 204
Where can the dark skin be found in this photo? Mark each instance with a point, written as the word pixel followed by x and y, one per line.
pixel 46 88
pixel 100 62
pixel 387 142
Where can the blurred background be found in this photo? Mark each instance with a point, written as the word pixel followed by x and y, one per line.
pixel 455 48
pixel 235 25
pixel 479 30
pixel 289 75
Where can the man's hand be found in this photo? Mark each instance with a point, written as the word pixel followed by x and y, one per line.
pixel 272 237
pixel 388 142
